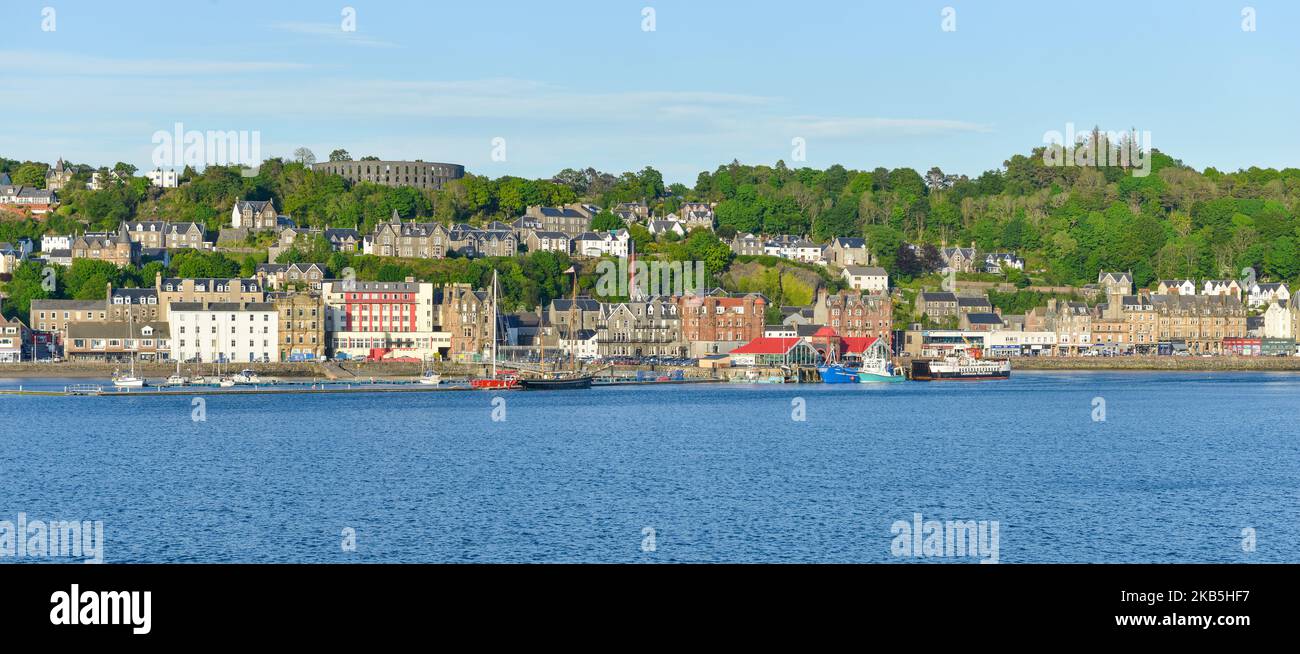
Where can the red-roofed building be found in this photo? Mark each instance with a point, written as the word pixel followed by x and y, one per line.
pixel 771 351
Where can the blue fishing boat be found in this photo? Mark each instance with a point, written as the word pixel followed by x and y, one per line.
pixel 838 374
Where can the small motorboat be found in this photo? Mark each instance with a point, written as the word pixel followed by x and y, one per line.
pixel 246 376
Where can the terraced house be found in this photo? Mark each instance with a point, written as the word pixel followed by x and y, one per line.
pixel 572 219
pixel 158 234
pixel 138 304
pixel 302 325
pixel 1199 321
pixel 279 276
pixel 206 290
pixel 717 324
pixel 413 240
pixel 116 249
pixel 118 341
pixel 855 314
pixel 642 329
pixel 13 339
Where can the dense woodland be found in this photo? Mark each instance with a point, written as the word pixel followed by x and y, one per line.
pixel 1067 222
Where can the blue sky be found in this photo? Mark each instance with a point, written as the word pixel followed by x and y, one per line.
pixel 579 83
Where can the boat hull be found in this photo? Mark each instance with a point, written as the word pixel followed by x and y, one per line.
pixel 878 378
pixel 838 375
pixel 574 383
pixel 943 371
pixel 494 384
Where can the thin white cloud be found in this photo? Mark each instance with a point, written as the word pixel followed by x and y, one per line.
pixel 48 65
pixel 852 127
pixel 333 32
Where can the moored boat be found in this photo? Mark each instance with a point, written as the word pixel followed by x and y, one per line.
pixel 961 367
pixel 127 381
pixel 838 374
pixel 557 383
pixel 246 376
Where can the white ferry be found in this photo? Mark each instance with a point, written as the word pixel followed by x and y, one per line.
pixel 965 366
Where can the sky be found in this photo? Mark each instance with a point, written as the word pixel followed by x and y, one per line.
pixel 583 83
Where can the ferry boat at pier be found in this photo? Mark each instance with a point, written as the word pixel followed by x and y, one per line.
pixel 966 366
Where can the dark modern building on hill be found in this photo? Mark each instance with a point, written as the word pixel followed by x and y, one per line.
pixel 419 174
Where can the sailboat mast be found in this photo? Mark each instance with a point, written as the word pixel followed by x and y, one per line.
pixel 573 336
pixel 494 324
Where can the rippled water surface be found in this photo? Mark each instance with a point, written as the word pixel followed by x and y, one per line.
pixel 1182 463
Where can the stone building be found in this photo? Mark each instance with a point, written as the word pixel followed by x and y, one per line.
pixel 116 249
pixel 854 314
pixel 717 324
pixel 235 290
pixel 254 215
pixel 158 234
pixel 411 240
pixel 417 174
pixel 642 329
pixel 302 325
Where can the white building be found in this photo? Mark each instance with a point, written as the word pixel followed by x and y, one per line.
pixel 1265 293
pixel 1017 343
pixel 163 178
pixel 235 332
pixel 1222 287
pixel 584 347
pixel 658 227
pixel 100 181
pixel 866 278
pixel 595 244
pixel 1176 287
pixel 51 242
pixel 1277 321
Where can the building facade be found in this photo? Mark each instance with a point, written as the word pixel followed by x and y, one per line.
pixel 228 332
pixel 417 174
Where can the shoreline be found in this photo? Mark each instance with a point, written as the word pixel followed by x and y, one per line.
pixel 405 370
pixel 1159 364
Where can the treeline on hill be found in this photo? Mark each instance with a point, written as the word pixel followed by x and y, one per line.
pixel 1068 222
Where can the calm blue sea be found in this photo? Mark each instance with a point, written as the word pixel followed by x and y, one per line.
pixel 1182 463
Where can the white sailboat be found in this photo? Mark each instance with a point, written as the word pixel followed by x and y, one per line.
pixel 429 377
pixel 129 380
pixel 177 379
